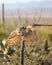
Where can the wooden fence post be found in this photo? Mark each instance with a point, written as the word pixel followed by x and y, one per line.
pixel 3 14
pixel 46 46
pixel 22 52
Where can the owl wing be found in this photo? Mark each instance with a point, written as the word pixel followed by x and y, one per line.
pixel 31 36
pixel 13 38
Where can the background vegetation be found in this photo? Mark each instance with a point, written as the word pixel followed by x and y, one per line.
pixel 34 53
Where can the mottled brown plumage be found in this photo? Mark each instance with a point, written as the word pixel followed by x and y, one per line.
pixel 29 33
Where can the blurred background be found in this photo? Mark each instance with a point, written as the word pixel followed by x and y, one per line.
pixel 15 14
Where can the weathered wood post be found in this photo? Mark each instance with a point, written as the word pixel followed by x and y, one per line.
pixel 22 52
pixel 46 46
pixel 3 14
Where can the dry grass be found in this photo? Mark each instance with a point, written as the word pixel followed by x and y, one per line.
pixel 34 52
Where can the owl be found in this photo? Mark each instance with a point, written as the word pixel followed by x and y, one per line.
pixel 28 33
